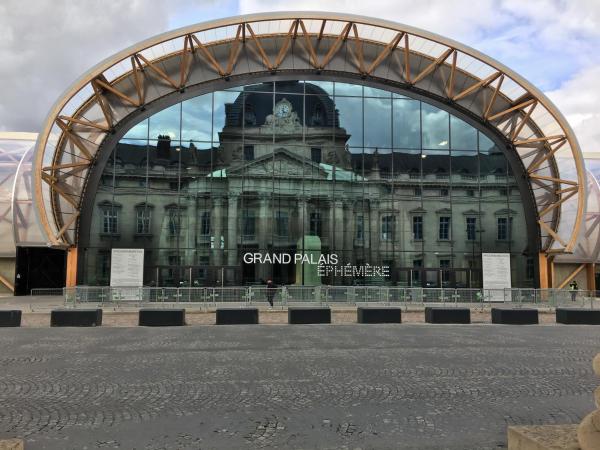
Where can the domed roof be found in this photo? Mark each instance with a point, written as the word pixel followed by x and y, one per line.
pixel 320 109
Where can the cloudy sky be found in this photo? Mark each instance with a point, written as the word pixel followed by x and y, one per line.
pixel 553 43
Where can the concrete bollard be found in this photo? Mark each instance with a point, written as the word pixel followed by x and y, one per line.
pixel 10 318
pixel 588 432
pixel 12 444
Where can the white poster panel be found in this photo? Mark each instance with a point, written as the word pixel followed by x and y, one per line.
pixel 127 267
pixel 496 275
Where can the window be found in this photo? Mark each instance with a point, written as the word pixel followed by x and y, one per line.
pixel 174 185
pixel 418 228
pixel 110 220
pixel 471 228
pixel 444 192
pixel 445 264
pixel 281 224
pixel 444 231
pixel 205 223
pixel 248 224
pixel 470 192
pixel 142 220
pixel 248 152
pixel 504 228
pixel 315 154
pixel 416 272
pixel 315 224
pixel 418 192
pixel 529 269
pixel 360 228
pixel 174 222
pixel 387 228
pixel 503 192
pixel 103 268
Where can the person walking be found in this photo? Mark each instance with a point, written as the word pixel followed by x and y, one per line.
pixel 271 290
pixel 573 287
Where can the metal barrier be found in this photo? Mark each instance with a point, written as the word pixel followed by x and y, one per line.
pixel 47 291
pixel 325 295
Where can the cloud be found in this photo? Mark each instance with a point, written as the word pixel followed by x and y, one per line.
pixel 44 49
pixel 46 46
pixel 578 100
pixel 544 40
pixel 552 43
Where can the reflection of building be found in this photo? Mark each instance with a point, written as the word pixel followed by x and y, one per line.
pixel 270 181
pixel 393 146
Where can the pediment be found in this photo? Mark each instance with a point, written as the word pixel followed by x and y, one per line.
pixel 282 163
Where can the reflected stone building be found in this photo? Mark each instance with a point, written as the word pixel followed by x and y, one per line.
pixel 228 149
pixel 380 178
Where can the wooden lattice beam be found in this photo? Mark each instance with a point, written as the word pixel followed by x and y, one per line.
pixel 155 69
pixel 107 86
pixel 209 56
pixel 433 65
pixel 479 85
pixel 385 52
pixel 265 59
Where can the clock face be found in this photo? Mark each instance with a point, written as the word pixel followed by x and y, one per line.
pixel 283 109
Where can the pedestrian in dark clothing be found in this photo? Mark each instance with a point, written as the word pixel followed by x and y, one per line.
pixel 573 288
pixel 271 290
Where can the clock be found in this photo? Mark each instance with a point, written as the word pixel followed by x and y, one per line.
pixel 283 108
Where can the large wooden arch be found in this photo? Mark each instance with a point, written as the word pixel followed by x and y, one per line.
pixel 318 43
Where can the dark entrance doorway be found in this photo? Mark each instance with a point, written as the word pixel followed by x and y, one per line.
pixel 39 267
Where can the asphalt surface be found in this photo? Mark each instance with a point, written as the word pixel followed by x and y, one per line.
pixel 291 386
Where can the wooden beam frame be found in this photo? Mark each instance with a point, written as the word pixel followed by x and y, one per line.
pixel 86 123
pixel 105 85
pixel 137 81
pixel 537 163
pixel 552 233
pixel 261 51
pixel 571 276
pixel 76 140
pixel 511 109
pixel 234 51
pixel 384 53
pixel 558 138
pixel 359 50
pixel 311 49
pixel 556 180
pixel 433 65
pixel 209 56
pixel 524 120
pixel 493 99
pixel 286 45
pixel 406 59
pixel 186 61
pixel 336 45
pixel 475 87
pixel 101 101
pixel 154 68
pixel 563 198
pixel 450 85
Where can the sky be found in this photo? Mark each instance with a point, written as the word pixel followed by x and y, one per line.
pixel 45 45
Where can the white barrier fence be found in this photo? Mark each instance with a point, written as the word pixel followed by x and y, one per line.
pixel 325 295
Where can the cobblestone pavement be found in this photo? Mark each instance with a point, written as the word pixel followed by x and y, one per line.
pixel 303 386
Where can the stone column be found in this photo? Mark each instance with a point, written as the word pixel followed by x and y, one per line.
pixel 349 232
pixel 588 432
pixel 232 226
pixel 217 220
pixel 374 231
pixel 264 233
pixel 303 219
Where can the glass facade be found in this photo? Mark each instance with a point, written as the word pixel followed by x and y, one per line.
pixel 315 168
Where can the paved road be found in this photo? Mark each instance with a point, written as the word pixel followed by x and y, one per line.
pixel 313 386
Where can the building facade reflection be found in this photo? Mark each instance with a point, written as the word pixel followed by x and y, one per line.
pixel 374 177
